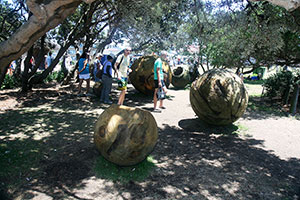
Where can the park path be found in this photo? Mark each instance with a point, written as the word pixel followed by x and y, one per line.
pixel 280 135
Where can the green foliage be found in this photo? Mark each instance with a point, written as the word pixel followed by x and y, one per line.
pixel 139 172
pixel 278 84
pixel 9 82
pixel 57 76
pixel 11 18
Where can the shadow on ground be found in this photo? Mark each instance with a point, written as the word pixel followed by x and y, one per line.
pixel 52 152
pixel 47 147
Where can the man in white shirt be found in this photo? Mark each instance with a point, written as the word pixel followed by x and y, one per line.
pixel 121 67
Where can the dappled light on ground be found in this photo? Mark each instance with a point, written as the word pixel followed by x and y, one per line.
pixel 47 152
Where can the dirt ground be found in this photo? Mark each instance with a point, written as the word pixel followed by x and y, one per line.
pixel 52 131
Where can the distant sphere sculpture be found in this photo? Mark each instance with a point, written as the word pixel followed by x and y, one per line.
pixel 219 97
pixel 97 89
pixel 142 75
pixel 180 76
pixel 125 135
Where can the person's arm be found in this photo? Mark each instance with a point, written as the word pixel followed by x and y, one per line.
pixel 116 65
pixel 158 75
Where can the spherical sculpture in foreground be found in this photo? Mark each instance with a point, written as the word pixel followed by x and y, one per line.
pixel 219 97
pixel 142 75
pixel 124 135
pixel 180 77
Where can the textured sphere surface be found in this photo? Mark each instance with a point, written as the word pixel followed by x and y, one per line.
pixel 142 75
pixel 97 89
pixel 125 135
pixel 219 97
pixel 180 76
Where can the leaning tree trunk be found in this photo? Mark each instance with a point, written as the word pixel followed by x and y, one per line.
pixel 27 65
pixel 295 97
pixel 45 17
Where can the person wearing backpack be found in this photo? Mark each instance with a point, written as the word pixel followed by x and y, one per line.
pixel 122 66
pixel 106 80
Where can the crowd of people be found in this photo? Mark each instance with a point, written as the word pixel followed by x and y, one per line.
pixel 104 71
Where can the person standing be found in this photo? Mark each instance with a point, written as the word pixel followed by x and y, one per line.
pixel 84 72
pixel 48 60
pixel 97 67
pixel 122 67
pixel 159 80
pixel 106 80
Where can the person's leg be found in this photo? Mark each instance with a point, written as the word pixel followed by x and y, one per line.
pixel 104 86
pixel 109 85
pixel 87 86
pixel 79 86
pixel 107 89
pixel 155 98
pixel 161 103
pixel 122 97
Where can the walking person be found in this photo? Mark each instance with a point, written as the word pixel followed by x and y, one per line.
pixel 122 67
pixel 84 72
pixel 159 81
pixel 106 80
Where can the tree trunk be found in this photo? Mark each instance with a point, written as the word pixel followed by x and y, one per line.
pixel 39 78
pixel 27 66
pixel 45 17
pixel 295 97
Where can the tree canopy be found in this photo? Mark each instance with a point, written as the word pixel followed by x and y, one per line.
pixel 231 33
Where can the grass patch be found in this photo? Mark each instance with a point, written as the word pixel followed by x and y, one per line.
pixel 18 161
pixel 108 170
pixel 257 82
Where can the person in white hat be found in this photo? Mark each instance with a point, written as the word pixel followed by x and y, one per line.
pixel 121 67
pixel 97 66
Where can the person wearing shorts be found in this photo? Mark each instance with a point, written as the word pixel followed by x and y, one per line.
pixel 84 72
pixel 123 62
pixel 159 81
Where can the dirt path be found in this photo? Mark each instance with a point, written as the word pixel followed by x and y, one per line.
pixel 192 160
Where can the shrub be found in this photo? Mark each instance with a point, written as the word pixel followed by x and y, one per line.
pixel 58 76
pixel 9 82
pixel 281 84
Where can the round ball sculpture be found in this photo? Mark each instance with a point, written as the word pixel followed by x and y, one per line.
pixel 125 136
pixel 97 89
pixel 180 77
pixel 142 75
pixel 219 97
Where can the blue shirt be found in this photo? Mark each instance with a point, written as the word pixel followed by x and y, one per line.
pixel 81 65
pixel 107 68
pixel 158 64
pixel 49 60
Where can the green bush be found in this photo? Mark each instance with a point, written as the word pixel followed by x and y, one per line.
pixel 281 83
pixel 9 82
pixel 57 76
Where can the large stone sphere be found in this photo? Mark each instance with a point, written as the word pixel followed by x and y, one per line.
pixel 124 135
pixel 180 76
pixel 142 75
pixel 219 97
pixel 97 89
